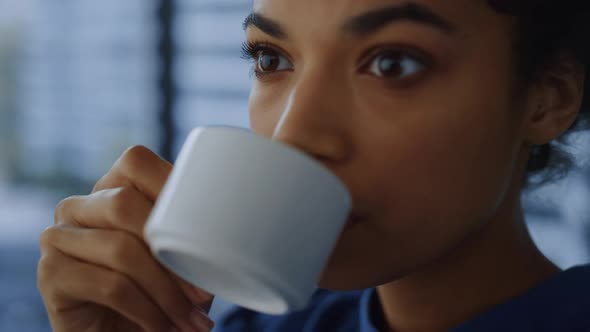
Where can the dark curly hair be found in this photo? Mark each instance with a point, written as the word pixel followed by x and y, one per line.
pixel 548 29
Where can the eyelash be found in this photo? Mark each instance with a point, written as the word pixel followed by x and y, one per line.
pixel 250 50
pixel 426 60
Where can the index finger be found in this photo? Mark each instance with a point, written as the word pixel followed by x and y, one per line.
pixel 139 167
pixel 117 209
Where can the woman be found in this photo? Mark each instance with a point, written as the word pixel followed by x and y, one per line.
pixel 436 114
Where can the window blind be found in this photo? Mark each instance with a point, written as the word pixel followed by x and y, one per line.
pixel 212 80
pixel 88 85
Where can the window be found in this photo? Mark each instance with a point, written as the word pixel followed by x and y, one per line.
pixel 212 80
pixel 80 87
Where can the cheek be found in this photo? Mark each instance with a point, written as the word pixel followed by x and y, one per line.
pixel 263 110
pixel 430 182
pixel 445 149
pixel 452 163
pixel 439 171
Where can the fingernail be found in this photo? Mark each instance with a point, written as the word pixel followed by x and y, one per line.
pixel 201 321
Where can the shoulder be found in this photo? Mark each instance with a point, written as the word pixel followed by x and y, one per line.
pixel 326 311
pixel 561 303
pixel 567 300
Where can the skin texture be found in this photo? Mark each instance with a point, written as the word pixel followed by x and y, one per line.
pixel 433 154
pixel 96 272
pixel 434 160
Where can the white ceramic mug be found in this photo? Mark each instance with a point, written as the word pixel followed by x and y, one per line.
pixel 248 219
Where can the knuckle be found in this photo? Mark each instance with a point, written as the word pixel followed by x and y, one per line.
pixel 51 298
pixel 121 201
pixel 121 249
pixel 63 207
pixel 137 150
pixel 128 207
pixel 47 269
pixel 48 237
pixel 50 301
pixel 134 157
pixel 116 288
pixel 100 183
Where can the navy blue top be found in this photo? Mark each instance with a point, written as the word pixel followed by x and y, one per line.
pixel 560 304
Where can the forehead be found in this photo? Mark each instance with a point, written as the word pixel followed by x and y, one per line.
pixel 311 15
pixel 353 6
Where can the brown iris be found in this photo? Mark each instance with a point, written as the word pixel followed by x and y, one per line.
pixel 390 65
pixel 268 61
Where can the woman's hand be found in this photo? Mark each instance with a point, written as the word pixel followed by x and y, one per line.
pixel 96 273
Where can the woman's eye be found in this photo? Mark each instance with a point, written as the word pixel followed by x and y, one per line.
pixel 268 61
pixel 396 65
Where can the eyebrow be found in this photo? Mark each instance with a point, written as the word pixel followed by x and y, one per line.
pixel 364 24
pixel 265 24
pixel 371 22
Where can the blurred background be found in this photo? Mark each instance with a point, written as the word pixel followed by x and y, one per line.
pixel 82 80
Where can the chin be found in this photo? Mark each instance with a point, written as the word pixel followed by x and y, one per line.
pixel 361 259
pixel 351 269
pixel 338 283
pixel 347 276
pixel 355 278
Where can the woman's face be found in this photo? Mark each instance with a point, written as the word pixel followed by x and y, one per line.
pixel 409 104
